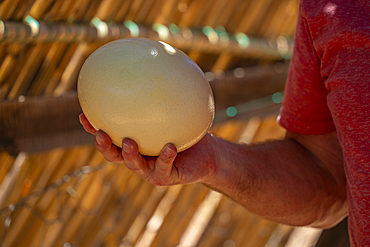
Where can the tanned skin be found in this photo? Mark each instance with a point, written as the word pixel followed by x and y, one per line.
pixel 296 181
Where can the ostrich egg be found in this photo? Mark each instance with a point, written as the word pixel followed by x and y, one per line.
pixel 148 91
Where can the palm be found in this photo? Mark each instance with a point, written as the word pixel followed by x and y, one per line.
pixel 192 165
pixel 195 164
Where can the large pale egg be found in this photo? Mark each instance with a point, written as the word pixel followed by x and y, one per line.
pixel 148 91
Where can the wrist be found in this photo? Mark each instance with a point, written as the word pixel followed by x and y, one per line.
pixel 217 161
pixel 231 174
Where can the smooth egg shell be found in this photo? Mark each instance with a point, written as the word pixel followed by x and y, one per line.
pixel 148 91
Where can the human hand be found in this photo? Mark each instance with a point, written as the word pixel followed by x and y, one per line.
pixel 196 164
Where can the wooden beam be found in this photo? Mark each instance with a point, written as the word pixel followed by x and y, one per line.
pixel 185 38
pixel 38 124
pixel 35 124
pixel 241 85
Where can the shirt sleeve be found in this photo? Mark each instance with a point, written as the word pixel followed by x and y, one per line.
pixel 304 109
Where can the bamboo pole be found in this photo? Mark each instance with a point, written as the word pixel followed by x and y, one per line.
pixel 15 58
pixel 239 13
pixel 59 230
pixel 250 130
pixel 104 221
pixel 159 215
pixel 25 223
pixel 12 182
pixel 206 20
pixel 251 18
pixel 108 9
pixel 272 22
pixel 67 6
pixel 227 130
pixel 90 10
pixel 40 7
pixel 261 233
pixel 8 64
pixel 197 19
pixel 289 23
pixel 164 15
pixel 47 69
pixel 134 9
pixel 6 162
pixel 68 33
pixel 136 201
pixel 122 11
pixel 25 219
pixel 120 187
pixel 77 11
pixel 123 187
pixel 279 236
pixel 128 208
pixel 180 214
pixel 79 186
pixel 229 9
pixel 70 74
pixel 269 129
pixel 47 203
pixel 4 48
pixel 91 200
pixel 144 12
pixel 138 226
pixel 141 200
pixel 218 225
pixel 7 8
pixel 21 10
pixel 53 83
pixel 28 71
pixel 152 11
pixel 179 9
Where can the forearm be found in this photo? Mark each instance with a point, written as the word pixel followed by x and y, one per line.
pixel 296 181
pixel 281 181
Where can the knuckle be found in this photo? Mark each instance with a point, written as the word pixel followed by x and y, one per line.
pixel 111 158
pixel 164 170
pixel 159 182
pixel 159 178
pixel 103 151
pixel 108 154
pixel 98 147
pixel 138 169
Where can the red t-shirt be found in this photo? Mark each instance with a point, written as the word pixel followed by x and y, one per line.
pixel 328 89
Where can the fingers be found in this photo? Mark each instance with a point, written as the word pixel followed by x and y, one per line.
pixel 133 160
pixel 86 124
pixel 104 144
pixel 164 163
pixel 159 171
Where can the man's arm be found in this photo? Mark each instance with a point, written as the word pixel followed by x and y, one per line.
pixel 297 181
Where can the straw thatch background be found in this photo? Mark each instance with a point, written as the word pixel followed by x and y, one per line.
pixel 57 190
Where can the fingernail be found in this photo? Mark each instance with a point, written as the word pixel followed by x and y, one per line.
pixel 126 148
pixel 168 152
pixel 99 138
